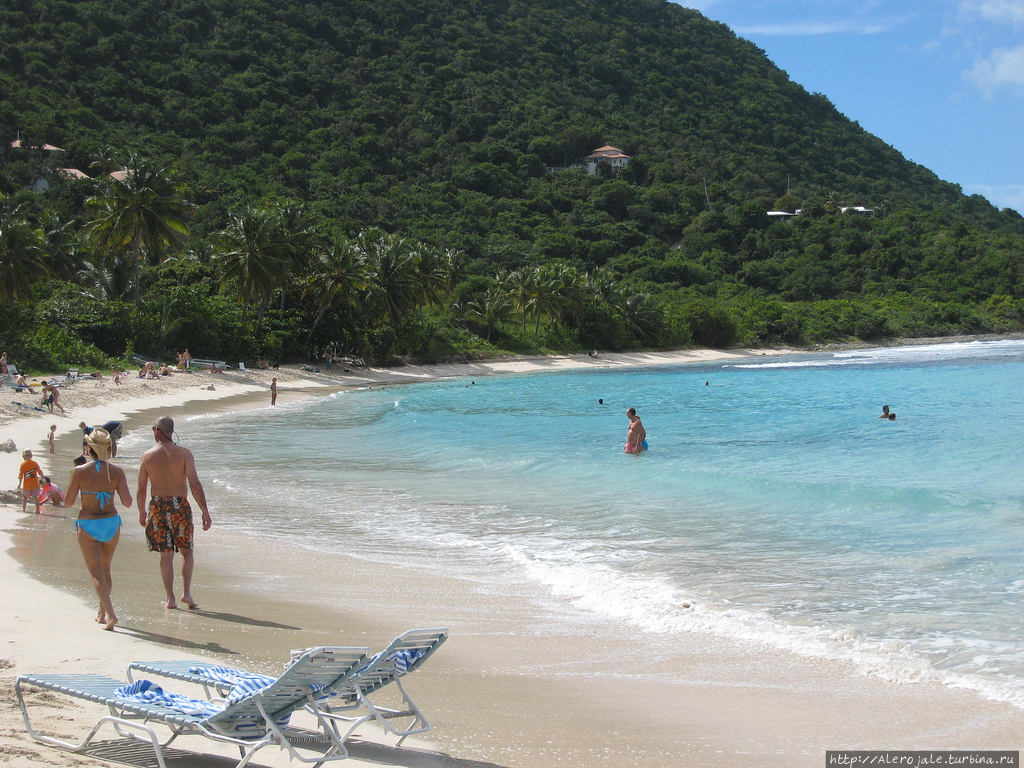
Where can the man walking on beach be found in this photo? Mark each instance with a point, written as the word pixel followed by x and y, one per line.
pixel 172 471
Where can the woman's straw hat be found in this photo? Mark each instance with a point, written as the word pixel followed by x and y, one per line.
pixel 100 442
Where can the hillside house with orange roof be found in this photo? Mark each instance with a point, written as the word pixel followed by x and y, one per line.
pixel 613 156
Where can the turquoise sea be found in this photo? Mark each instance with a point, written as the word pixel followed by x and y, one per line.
pixel 774 507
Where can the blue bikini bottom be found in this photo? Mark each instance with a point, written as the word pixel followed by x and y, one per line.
pixel 102 529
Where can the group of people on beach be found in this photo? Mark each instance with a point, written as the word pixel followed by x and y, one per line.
pixel 167 471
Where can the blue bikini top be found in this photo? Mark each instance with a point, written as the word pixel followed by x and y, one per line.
pixel 103 497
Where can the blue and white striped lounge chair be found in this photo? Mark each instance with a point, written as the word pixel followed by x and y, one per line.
pixel 251 718
pixel 350 702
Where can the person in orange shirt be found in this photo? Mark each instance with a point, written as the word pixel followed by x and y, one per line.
pixel 28 481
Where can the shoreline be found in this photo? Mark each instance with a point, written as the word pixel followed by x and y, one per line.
pixel 49 588
pixel 508 689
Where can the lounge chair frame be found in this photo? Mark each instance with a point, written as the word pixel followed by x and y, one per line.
pixel 350 697
pixel 330 667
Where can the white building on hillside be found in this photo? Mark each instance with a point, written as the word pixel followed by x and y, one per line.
pixel 860 210
pixel 613 156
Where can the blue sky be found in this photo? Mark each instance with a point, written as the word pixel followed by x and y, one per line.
pixel 942 81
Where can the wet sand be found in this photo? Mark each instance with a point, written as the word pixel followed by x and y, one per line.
pixel 522 682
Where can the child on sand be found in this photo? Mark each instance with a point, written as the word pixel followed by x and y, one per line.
pixel 49 437
pixel 28 481
pixel 51 493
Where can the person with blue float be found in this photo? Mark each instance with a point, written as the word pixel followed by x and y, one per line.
pixel 636 437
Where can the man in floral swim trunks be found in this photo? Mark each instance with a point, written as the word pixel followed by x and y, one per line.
pixel 172 471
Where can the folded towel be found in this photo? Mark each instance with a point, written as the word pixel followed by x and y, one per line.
pixel 401 660
pixel 151 693
pixel 405 659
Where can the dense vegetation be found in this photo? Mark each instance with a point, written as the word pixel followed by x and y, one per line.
pixel 373 175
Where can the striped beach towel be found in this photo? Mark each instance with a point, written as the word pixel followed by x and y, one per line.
pixel 403 659
pixel 242 683
pixel 151 693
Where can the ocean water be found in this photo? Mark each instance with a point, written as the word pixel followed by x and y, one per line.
pixel 774 507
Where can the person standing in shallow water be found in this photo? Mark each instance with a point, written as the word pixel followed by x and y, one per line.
pixel 99 525
pixel 172 471
pixel 636 435
pixel 273 391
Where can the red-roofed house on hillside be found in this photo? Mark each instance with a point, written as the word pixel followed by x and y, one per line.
pixel 41 184
pixel 613 156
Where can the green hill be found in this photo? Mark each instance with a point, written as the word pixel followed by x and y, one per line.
pixel 439 121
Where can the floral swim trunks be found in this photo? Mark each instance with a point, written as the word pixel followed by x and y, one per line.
pixel 170 524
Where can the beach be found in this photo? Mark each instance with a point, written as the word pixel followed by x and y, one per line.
pixel 512 687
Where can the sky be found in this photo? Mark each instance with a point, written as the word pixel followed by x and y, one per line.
pixel 942 81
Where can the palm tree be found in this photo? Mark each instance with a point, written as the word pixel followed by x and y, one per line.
pixel 251 255
pixel 63 245
pixel 832 204
pixel 601 284
pixel 643 317
pixel 141 214
pixel 109 282
pixel 566 296
pixel 430 276
pixel 392 266
pixel 453 270
pixel 336 280
pixel 23 256
pixel 495 307
pixel 520 286
pixel 297 239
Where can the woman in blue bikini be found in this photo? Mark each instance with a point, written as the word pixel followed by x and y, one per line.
pixel 99 524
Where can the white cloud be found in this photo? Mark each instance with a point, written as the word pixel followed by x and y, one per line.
pixel 1000 11
pixel 1003 68
pixel 840 26
pixel 1001 196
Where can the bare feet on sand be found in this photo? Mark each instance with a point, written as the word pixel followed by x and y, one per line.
pixel 101 618
pixel 188 601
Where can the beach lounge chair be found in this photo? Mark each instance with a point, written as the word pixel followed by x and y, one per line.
pixel 70 378
pixel 13 369
pixel 252 717
pixel 350 703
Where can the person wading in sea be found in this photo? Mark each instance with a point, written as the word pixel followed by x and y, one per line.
pixel 636 435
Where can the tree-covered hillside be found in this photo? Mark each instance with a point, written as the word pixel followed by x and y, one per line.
pixel 438 122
